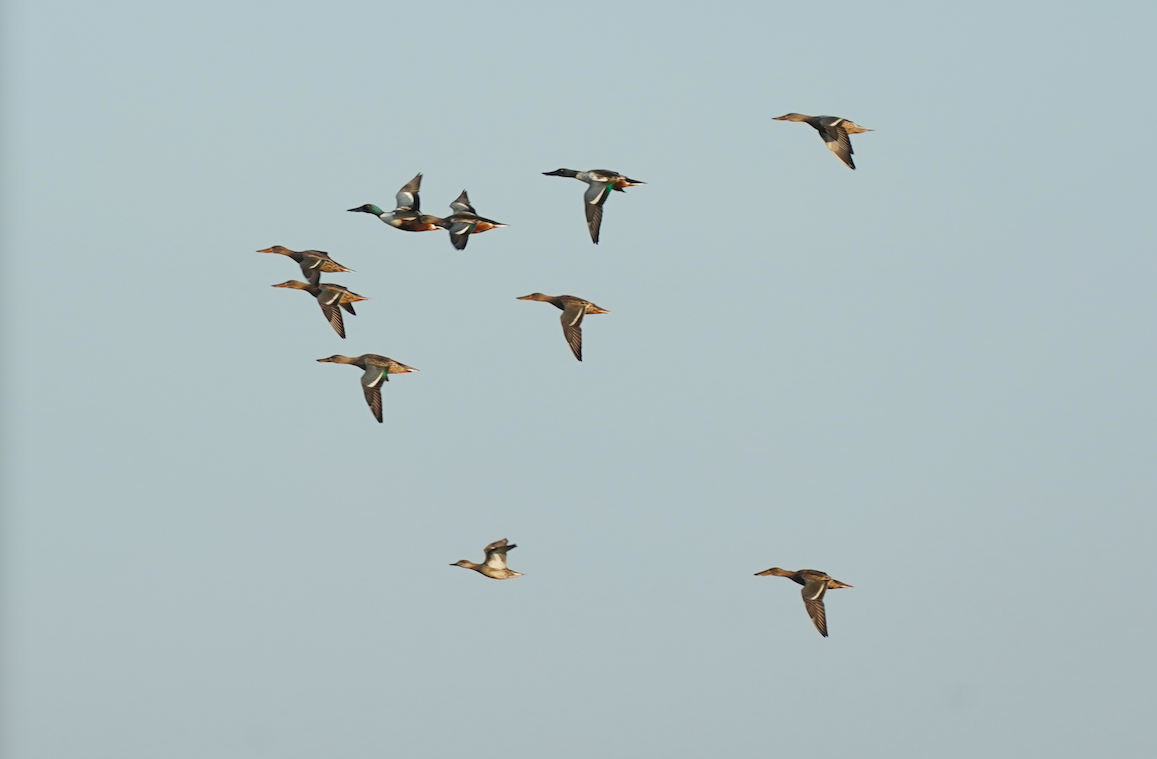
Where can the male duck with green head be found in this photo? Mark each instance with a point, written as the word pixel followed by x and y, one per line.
pixel 407 215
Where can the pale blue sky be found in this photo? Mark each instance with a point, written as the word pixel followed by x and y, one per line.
pixel 932 377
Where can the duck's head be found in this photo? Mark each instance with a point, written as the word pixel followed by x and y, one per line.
pixel 791 117
pixel 464 564
pixel 367 208
pixel 561 173
pixel 776 571
pixel 535 296
pixel 277 249
pixel 293 284
pixel 337 359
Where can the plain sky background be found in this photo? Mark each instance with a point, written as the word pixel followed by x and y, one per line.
pixel 933 378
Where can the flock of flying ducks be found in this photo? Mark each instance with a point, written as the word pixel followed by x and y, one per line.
pixel 465 221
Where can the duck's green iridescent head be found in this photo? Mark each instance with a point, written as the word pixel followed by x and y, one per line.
pixel 561 173
pixel 368 208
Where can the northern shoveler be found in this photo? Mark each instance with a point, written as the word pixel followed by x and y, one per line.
pixel 465 221
pixel 407 216
pixel 834 130
pixel 377 370
pixel 815 584
pixel 329 297
pixel 573 311
pixel 312 262
pixel 601 183
pixel 495 564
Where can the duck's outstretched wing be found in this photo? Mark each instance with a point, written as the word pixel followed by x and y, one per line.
pixel 372 381
pixel 594 221
pixel 407 197
pixel 572 319
pixel 839 143
pixel 312 273
pixel 813 600
pixel 462 204
pixel 496 553
pixel 311 268
pixel 460 233
pixel 374 399
pixel 593 200
pixel 333 316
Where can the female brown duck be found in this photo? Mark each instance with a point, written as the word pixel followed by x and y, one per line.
pixel 494 566
pixel 815 583
pixel 329 297
pixel 834 131
pixel 312 262
pixel 573 311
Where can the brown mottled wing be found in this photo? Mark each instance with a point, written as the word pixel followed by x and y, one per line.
pixel 813 601
pixel 374 399
pixel 496 554
pixel 333 315
pixel 838 142
pixel 572 319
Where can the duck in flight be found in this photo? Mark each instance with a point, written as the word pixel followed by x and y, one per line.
pixel 330 297
pixel 465 221
pixel 834 131
pixel 494 566
pixel 815 585
pixel 407 215
pixel 573 311
pixel 601 182
pixel 312 262
pixel 377 369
